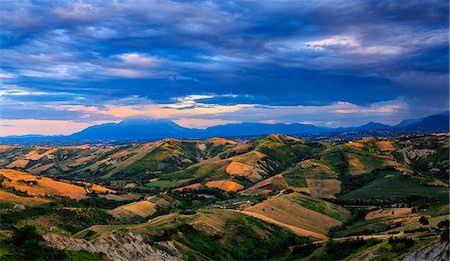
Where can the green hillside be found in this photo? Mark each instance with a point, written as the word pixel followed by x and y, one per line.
pixel 214 234
pixel 170 156
pixel 274 197
pixel 392 185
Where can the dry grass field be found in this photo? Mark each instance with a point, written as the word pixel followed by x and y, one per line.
pixel 356 144
pixel 324 188
pixel 314 168
pixel 276 182
pixel 385 145
pixel 35 155
pixel 119 197
pixel 246 165
pixel 142 208
pixel 221 141
pixel 389 213
pixel 356 167
pixel 241 148
pixel 40 186
pixel 226 185
pixel 118 163
pixel 212 222
pixel 101 189
pixel 249 158
pixel 192 186
pixel 297 230
pixel 7 147
pixel 97 188
pixel 27 201
pixel 20 163
pixel 239 169
pixel 285 210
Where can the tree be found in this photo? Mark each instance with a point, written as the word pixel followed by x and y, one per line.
pixel 424 221
pixel 445 235
pixel 29 245
pixel 443 224
pixel 26 235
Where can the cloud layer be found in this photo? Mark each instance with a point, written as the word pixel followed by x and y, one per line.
pixel 207 62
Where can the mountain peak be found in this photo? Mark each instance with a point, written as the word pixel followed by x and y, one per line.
pixel 144 121
pixel 373 126
pixel 134 129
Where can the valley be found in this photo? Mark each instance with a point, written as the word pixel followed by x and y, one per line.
pixel 272 197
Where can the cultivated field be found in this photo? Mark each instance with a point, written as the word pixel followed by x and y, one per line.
pixel 286 210
pixel 40 186
pixel 142 208
pixel 226 185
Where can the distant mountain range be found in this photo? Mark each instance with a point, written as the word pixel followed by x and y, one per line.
pixel 153 129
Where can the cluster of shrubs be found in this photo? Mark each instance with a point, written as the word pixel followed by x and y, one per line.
pixel 415 230
pixel 400 244
pixel 15 191
pixel 337 250
pixel 418 202
pixel 444 225
pixel 67 219
pixel 27 244
pixel 358 214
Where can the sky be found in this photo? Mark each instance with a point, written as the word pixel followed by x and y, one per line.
pixel 66 65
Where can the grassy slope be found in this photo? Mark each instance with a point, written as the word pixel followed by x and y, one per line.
pixel 302 211
pixel 55 218
pixel 173 155
pixel 267 156
pixel 397 186
pixel 284 151
pixel 322 206
pixel 216 234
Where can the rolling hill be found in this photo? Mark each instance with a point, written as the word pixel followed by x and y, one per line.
pixel 222 199
pixel 302 214
pixel 323 170
pixel 210 234
pixel 28 189
pixel 104 162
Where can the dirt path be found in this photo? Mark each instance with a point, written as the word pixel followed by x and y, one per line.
pixel 297 230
